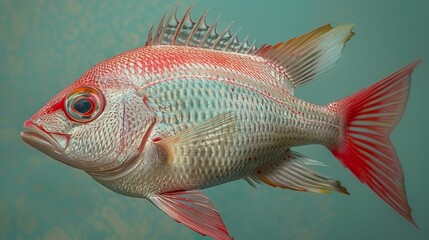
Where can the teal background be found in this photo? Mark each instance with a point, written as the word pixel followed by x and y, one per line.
pixel 45 45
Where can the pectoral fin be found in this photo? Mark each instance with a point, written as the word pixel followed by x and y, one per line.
pixel 195 210
pixel 216 130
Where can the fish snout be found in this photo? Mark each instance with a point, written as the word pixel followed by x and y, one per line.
pixel 53 144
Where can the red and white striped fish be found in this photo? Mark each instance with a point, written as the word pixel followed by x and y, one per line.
pixel 193 109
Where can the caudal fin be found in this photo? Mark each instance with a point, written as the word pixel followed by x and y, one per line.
pixel 365 148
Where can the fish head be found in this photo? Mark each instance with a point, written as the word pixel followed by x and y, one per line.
pixel 97 124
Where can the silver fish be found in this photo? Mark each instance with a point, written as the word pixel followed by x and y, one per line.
pixel 193 109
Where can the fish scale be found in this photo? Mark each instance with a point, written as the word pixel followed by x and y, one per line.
pixel 193 108
pixel 259 135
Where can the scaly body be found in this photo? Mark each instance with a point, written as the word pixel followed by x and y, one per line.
pixel 186 86
pixel 193 109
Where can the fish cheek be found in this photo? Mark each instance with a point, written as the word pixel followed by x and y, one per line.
pixel 138 123
pixel 98 144
pixel 117 135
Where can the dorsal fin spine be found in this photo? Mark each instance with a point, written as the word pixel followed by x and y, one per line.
pixel 172 13
pixel 149 36
pixel 185 16
pixel 243 43
pixel 235 37
pixel 186 32
pixel 220 37
pixel 201 20
pixel 209 31
pixel 252 47
pixel 158 31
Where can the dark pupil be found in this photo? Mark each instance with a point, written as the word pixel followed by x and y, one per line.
pixel 82 105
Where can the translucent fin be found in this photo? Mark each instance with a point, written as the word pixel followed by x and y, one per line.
pixel 216 130
pixel 250 181
pixel 309 56
pixel 291 173
pixel 187 32
pixel 195 210
pixel 368 118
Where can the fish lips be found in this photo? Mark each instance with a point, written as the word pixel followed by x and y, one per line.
pixel 52 144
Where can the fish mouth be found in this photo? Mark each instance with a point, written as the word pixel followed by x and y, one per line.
pixel 52 144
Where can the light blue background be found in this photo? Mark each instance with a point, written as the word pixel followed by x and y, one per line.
pixel 46 45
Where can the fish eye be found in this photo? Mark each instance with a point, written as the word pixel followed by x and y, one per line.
pixel 84 104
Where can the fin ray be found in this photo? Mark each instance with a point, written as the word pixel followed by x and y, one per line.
pixel 301 59
pixel 186 32
pixel 215 130
pixel 309 56
pixel 291 173
pixel 365 149
pixel 195 210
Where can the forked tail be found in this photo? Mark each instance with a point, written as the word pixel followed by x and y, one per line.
pixel 365 148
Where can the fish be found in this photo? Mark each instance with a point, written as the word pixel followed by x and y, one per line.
pixel 193 108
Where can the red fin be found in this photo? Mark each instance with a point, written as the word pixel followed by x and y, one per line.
pixel 195 210
pixel 368 117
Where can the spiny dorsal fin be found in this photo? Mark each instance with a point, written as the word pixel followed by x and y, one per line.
pixel 188 32
pixel 300 59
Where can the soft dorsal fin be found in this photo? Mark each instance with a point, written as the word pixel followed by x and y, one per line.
pixel 188 32
pixel 309 56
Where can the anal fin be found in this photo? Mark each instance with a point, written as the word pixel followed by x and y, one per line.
pixel 291 173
